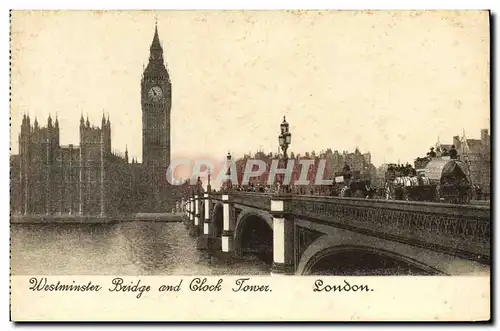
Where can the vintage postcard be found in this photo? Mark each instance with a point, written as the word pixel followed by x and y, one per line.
pixel 250 166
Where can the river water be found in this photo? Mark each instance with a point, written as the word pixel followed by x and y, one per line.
pixel 129 248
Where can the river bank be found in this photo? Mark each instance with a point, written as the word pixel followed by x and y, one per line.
pixel 96 219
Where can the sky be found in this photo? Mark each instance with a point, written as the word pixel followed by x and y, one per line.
pixel 391 83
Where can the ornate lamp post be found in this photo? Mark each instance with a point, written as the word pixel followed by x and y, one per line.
pixel 199 186
pixel 229 182
pixel 285 139
pixel 209 187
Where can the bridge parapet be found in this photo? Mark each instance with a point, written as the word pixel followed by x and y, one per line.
pixel 461 230
pixel 252 199
pixel 216 196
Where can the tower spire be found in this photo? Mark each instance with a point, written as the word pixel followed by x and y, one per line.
pixel 155 45
pixel 156 51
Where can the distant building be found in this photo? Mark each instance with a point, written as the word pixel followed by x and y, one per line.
pixel 380 174
pixel 334 162
pixel 477 154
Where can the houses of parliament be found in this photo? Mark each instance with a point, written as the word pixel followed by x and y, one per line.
pixel 90 179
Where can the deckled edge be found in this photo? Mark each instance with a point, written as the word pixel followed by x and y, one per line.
pixel 10 170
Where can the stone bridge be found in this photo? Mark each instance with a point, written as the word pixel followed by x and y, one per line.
pixel 311 235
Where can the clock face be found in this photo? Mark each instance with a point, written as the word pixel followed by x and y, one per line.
pixel 155 93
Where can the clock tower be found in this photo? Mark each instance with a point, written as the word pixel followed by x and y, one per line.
pixel 156 101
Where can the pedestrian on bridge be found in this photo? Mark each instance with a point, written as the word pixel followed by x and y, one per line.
pixel 453 152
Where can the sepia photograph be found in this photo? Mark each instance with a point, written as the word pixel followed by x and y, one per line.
pixel 249 143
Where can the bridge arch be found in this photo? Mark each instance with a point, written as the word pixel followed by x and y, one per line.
pixel 253 234
pixel 217 220
pixel 338 255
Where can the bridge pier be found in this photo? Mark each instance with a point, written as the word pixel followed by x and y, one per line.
pixel 197 218
pixel 204 240
pixel 187 204
pixel 194 226
pixel 228 225
pixel 283 236
pixel 186 212
pixel 185 207
pixel 196 210
pixel 207 227
pixel 191 213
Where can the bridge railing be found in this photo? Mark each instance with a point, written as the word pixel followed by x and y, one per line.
pixel 252 199
pixel 457 229
pixel 216 196
pixel 417 206
pixel 262 200
pixel 249 199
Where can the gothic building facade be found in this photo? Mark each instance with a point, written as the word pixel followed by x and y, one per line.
pixel 90 179
pixel 87 179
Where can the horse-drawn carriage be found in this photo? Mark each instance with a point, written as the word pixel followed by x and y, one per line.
pixel 354 184
pixel 438 179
